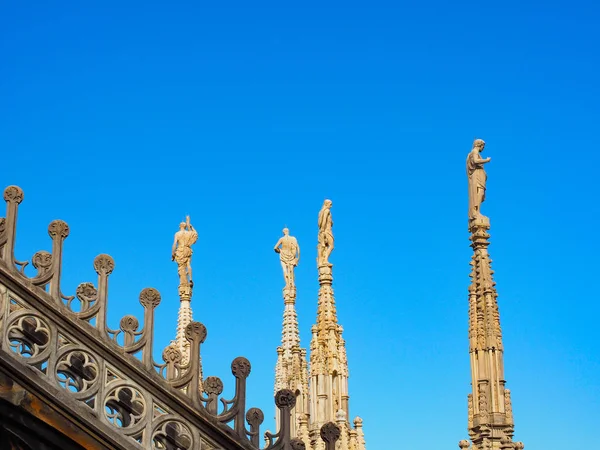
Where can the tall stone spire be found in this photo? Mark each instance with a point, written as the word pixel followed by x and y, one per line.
pixel 182 255
pixel 329 398
pixel 291 370
pixel 490 419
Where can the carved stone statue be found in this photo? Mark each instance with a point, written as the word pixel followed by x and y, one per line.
pixel 182 251
pixel 477 179
pixel 325 245
pixel 289 255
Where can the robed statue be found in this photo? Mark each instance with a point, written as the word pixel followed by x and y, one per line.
pixel 325 239
pixel 289 255
pixel 182 251
pixel 477 179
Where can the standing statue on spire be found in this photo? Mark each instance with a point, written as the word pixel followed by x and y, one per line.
pixel 325 245
pixel 477 179
pixel 289 255
pixel 182 251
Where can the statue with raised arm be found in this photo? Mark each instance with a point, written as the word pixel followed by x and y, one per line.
pixel 477 179
pixel 325 239
pixel 182 251
pixel 289 255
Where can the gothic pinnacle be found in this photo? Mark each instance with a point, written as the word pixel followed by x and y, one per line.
pixel 490 420
pixel 181 253
pixel 329 398
pixel 291 370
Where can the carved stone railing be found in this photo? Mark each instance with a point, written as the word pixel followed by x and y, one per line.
pixel 108 377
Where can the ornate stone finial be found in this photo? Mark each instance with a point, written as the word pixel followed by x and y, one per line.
pixel 213 385
pixel 240 367
pixel 285 398
pixel 506 443
pixel 255 417
pixel 149 298
pixel 42 260
pixel 289 255
pixel 196 330
pixel 519 445
pixel 182 251
pixel 326 241
pixel 463 444
pixel 171 354
pixel 13 194
pixel 330 432
pixel 58 228
pixel 104 264
pixel 129 323
pixel 477 180
pixel 297 444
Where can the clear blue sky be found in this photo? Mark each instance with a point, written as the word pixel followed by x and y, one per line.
pixel 122 119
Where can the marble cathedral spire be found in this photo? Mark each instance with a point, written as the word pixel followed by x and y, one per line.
pixel 328 383
pixel 181 253
pixel 291 370
pixel 490 418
